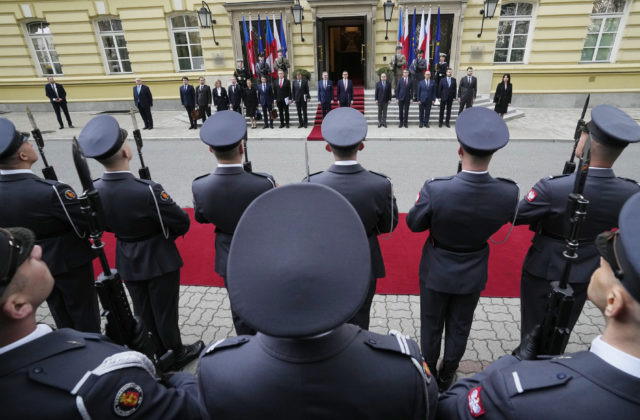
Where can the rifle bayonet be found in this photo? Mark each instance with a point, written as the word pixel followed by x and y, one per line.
pixel 47 171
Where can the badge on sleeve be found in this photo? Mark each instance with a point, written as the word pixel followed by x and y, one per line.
pixel 532 195
pixel 164 196
pixel 475 402
pixel 69 195
pixel 128 399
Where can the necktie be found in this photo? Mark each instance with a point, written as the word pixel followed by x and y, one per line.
pixel 405 81
pixel 382 85
pixel 233 89
pixel 264 88
pixel 469 78
pixel 280 82
pixel 299 83
pixel 325 84
pixel 448 82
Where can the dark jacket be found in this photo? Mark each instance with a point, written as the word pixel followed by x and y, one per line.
pixel 250 99
pixel 404 92
pixel 188 96
pixel 383 94
pixel 222 100
pixel 467 90
pixel 265 95
pixel 203 95
pixel 300 94
pixel 235 95
pixel 144 99
pixel 502 96
pixel 51 93
pixel 345 94
pixel 282 92
pixel 325 96
pixel 427 91
pixel 447 93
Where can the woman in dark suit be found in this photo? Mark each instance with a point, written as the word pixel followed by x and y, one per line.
pixel 220 98
pixel 250 99
pixel 502 97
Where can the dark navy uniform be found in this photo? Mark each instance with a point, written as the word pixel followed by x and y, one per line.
pixel 441 72
pixel 52 211
pixel 298 291
pixel 370 193
pixel 221 197
pixel 462 212
pixel 543 209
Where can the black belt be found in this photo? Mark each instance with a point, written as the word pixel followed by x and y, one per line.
pixel 557 237
pixel 440 245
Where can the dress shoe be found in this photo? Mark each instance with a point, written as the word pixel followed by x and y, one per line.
pixel 305 125
pixel 299 125
pixel 385 125
pixel 287 125
pixel 448 126
pixel 379 125
pixel 185 354
pixel 439 124
pixel 150 128
pixel 406 125
pixel 145 128
pixel 281 126
pixel 420 126
pixel 400 126
pixel 71 126
pixel 271 126
pixel 61 127
pixel 266 126
pixel 446 375
pixel 427 125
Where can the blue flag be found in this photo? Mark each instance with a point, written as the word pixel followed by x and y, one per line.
pixel 283 40
pixel 260 48
pixel 412 40
pixel 246 33
pixel 436 55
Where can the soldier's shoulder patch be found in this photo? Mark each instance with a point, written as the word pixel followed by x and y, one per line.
pixel 474 402
pixel 164 196
pixel 441 178
pixel 531 195
pixel 629 180
pixel 226 343
pixel 128 399
pixel 550 177
pixel 69 194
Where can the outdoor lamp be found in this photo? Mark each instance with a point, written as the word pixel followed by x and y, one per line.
pixel 487 12
pixel 388 12
pixel 298 16
pixel 204 16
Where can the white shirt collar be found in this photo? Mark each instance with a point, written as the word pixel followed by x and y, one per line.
pixel 616 358
pixel 229 165
pixel 117 172
pixel 597 167
pixel 15 171
pixel 346 162
pixel 476 172
pixel 39 331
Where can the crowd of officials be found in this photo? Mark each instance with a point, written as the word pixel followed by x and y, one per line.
pixel 300 263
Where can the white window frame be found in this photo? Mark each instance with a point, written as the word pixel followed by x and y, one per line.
pixel 34 52
pixel 515 18
pixel 616 43
pixel 113 34
pixel 174 48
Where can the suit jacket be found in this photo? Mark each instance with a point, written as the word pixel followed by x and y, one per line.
pixel 144 99
pixel 51 93
pixel 48 368
pixel 502 95
pixel 265 94
pixel 222 99
pixel 260 376
pixel 142 250
pixel 468 90
pixel 235 95
pixel 371 195
pixel 455 257
pixel 282 92
pixel 404 92
pixel 34 203
pixel 188 96
pixel 203 95
pixel 543 209
pixel 325 96
pixel 447 93
pixel 383 95
pixel 579 386
pixel 427 91
pixel 345 94
pixel 300 94
pixel 221 198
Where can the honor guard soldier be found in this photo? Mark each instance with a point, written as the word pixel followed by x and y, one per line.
pixel 262 68
pixel 52 211
pixel 417 68
pixel 396 65
pixel 543 209
pixel 461 212
pixel 281 63
pixel 222 196
pixel 67 374
pixel 603 382
pixel 241 74
pixel 370 193
pixel 441 70
pixel 299 268
pixel 146 222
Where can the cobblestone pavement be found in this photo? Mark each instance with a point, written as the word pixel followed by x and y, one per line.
pixel 205 314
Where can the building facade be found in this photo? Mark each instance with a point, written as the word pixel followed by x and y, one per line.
pixel 554 50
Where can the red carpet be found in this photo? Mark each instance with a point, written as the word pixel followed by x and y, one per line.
pixel 401 256
pixel 358 103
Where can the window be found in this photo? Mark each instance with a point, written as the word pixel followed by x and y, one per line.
pixel 186 41
pixel 602 30
pixel 513 32
pixel 114 46
pixel 45 52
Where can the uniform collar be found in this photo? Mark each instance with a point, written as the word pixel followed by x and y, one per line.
pixel 346 169
pixel 475 172
pixel 229 170
pixel 113 175
pixel 229 165
pixel 15 171
pixel 616 358
pixel 345 162
pixel 39 331
pixel 601 172
pixel 474 176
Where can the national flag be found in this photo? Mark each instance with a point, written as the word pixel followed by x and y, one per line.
pixel 400 27
pixel 283 39
pixel 249 43
pixel 260 49
pixel 436 54
pixel 405 38
pixel 412 42
pixel 271 48
pixel 276 35
pixel 427 37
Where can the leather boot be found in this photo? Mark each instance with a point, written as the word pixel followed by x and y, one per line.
pixel 446 375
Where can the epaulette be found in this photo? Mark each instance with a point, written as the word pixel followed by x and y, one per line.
pixel 201 176
pixel 557 176
pixel 507 180
pixel 398 343
pixel 382 175
pixel 313 174
pixel 267 176
pixel 226 343
pixel 441 178
pixel 47 181
pixel 533 376
pixel 629 179
pixel 145 181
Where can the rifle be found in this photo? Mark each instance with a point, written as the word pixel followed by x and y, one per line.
pixel 143 171
pixel 47 171
pixel 247 163
pixel 569 165
pixel 555 329
pixel 122 326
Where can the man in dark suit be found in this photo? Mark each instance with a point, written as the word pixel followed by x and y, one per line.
pixel 325 93
pixel 370 193
pixel 72 374
pixel 416 70
pixel 144 101
pixel 146 223
pixel 203 99
pixel 426 98
pixel 301 97
pixel 235 95
pixel 544 210
pixel 222 196
pixel 188 99
pixel 603 381
pixel 282 89
pixel 461 213
pixel 403 98
pixel 447 93
pixel 58 97
pixel 345 90
pixel 467 91
pixel 52 211
pixel 383 96
pixel 297 280
pixel 265 98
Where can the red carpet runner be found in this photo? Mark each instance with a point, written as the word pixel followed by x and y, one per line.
pixel 358 103
pixel 401 256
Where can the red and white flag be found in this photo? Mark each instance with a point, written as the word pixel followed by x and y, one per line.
pixel 405 38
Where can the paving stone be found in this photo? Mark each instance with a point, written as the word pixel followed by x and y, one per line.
pixel 500 317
